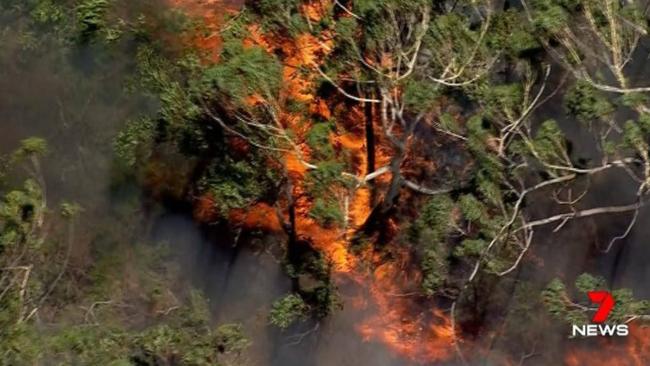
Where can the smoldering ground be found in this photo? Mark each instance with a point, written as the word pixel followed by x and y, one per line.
pixel 241 282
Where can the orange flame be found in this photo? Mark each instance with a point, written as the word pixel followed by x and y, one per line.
pixel 396 318
pixel 260 216
pixel 631 351
pixel 422 335
pixel 212 12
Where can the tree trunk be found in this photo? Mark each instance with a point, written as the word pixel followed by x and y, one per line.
pixel 291 230
pixel 370 146
pixel 395 181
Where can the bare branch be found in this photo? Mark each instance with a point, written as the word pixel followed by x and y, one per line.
pixel 342 91
pixel 625 233
pixel 421 189
pixel 583 213
pixel 338 3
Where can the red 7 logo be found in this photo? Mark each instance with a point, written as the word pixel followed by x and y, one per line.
pixel 606 301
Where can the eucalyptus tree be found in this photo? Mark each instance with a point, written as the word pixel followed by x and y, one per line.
pixel 404 56
pixel 405 62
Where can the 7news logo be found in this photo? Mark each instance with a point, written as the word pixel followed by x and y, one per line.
pixel 606 303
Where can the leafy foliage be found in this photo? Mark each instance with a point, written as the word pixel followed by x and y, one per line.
pixel 30 147
pixel 91 17
pixel 236 183
pixel 322 181
pixel 287 310
pixel 222 122
pixel 189 341
pixel 558 301
pixel 549 143
pixel 327 212
pixel 319 142
pixel 587 103
pixel 428 234
pixel 421 95
pixel 133 143
pixel 243 72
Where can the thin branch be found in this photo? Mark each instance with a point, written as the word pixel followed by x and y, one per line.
pixel 416 187
pixel 583 213
pixel 346 9
pixel 299 337
pixel 624 235
pixel 529 240
pixel 63 269
pixel 453 331
pixel 342 91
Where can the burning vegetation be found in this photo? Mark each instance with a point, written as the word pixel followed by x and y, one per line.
pixel 353 142
pixel 632 351
pixel 410 152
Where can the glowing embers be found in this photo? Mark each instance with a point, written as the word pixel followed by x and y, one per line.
pixel 212 12
pixel 633 350
pixel 400 318
pixel 260 216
